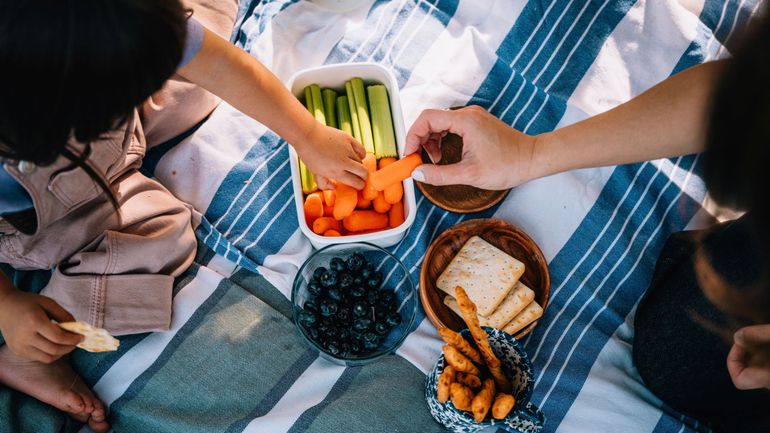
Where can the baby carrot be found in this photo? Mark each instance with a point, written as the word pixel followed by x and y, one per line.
pixel 321 225
pixel 379 203
pixel 360 220
pixel 396 214
pixel 329 197
pixel 370 162
pixel 393 193
pixel 314 207
pixel 362 202
pixel 395 172
pixel 332 233
pixel 346 201
pixel 328 210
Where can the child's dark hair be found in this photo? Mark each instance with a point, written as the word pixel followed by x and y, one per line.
pixel 736 168
pixel 78 68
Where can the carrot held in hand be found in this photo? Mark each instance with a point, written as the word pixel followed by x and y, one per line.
pixel 393 193
pixel 379 203
pixel 345 202
pixel 396 214
pixel 314 207
pixel 361 220
pixel 362 202
pixel 395 172
pixel 329 196
pixel 321 225
pixel 370 162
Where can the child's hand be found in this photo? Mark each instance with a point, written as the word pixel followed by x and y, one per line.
pixel 25 321
pixel 333 154
pixel 749 359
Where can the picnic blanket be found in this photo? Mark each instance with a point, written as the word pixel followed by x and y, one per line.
pixel 233 360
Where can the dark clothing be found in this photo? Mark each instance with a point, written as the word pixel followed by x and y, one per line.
pixel 679 359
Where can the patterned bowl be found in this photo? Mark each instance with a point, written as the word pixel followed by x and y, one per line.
pixel 525 417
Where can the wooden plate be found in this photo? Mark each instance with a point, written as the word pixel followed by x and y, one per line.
pixel 499 233
pixel 457 198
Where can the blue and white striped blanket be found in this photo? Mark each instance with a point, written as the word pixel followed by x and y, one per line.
pixel 537 65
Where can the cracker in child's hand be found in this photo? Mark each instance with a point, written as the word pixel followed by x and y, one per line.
pixel 97 339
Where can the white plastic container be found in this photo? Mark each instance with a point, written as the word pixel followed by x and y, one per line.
pixel 334 77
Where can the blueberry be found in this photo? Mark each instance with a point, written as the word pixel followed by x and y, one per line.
pixel 393 319
pixel 318 272
pixel 381 328
pixel 355 347
pixel 314 288
pixel 322 328
pixel 375 280
pixel 328 308
pixel 355 262
pixel 345 280
pixel 312 332
pixel 380 314
pixel 360 309
pixel 362 324
pixel 386 297
pixel 329 278
pixel 331 332
pixel 307 318
pixel 357 292
pixel 344 335
pixel 343 315
pixel 335 294
pixel 371 297
pixel 358 281
pixel 333 347
pixel 311 306
pixel 367 271
pixel 337 264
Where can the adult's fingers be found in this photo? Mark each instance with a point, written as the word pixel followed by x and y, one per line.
pixel 452 174
pixel 55 311
pixel 57 335
pixel 432 121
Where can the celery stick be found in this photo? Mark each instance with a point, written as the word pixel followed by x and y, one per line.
pixel 382 122
pixel 318 104
pixel 308 100
pixel 362 109
pixel 343 114
pixel 353 111
pixel 330 97
pixel 307 180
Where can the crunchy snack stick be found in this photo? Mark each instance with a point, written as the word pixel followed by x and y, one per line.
pixel 461 396
pixel 444 381
pixel 502 405
pixel 470 380
pixel 459 361
pixel 97 339
pixel 460 343
pixel 468 311
pixel 483 400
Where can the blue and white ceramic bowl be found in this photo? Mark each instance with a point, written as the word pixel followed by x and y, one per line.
pixel 525 417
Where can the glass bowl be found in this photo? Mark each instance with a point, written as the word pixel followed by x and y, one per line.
pixel 333 328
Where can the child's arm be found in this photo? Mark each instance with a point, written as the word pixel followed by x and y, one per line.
pixel 25 321
pixel 247 85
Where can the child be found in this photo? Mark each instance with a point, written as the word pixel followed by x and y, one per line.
pixel 85 87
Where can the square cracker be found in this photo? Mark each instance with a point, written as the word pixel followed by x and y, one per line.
pixel 485 272
pixel 97 339
pixel 514 303
pixel 532 312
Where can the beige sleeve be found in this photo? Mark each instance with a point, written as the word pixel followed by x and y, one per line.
pixel 122 280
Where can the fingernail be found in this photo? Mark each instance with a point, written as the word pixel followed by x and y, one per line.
pixel 738 337
pixel 418 175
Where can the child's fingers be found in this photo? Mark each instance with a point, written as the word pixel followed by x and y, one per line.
pixel 55 311
pixel 323 182
pixel 357 169
pixel 358 148
pixel 57 335
pixel 51 348
pixel 34 354
pixel 351 180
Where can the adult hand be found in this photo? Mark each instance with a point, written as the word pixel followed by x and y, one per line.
pixel 749 359
pixel 25 321
pixel 495 156
pixel 333 154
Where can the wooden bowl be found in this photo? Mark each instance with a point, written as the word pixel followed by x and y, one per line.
pixel 499 233
pixel 457 198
